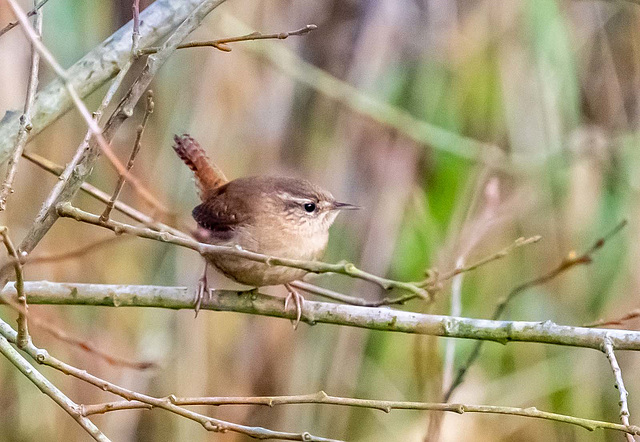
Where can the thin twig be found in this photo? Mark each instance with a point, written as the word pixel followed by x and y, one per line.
pixel 49 389
pixel 572 260
pixel 31 13
pixel 486 260
pixel 386 406
pixel 25 120
pixel 209 423
pixel 633 314
pixel 607 348
pixel 343 268
pixel 23 326
pixel 221 44
pixel 136 148
pixel 96 131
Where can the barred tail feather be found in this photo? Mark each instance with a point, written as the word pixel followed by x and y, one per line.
pixel 208 176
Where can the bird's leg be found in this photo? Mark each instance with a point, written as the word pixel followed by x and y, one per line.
pixel 203 289
pixel 298 300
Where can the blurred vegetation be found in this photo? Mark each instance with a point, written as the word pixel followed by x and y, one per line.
pixel 554 84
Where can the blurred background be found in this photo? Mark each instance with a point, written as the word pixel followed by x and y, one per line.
pixel 538 106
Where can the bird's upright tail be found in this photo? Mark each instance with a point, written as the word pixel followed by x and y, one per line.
pixel 208 176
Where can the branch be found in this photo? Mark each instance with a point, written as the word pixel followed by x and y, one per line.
pixel 50 390
pixel 385 319
pixel 343 268
pixel 386 406
pixel 607 348
pixel 134 152
pixel 96 68
pixel 94 128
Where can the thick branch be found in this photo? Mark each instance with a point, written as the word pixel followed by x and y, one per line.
pixel 385 319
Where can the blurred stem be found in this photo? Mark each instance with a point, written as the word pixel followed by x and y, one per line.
pixel 386 319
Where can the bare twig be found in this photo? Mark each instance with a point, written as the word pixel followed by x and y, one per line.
pixel 343 268
pixel 607 348
pixel 221 44
pixel 136 148
pixel 49 389
pixel 386 406
pixel 23 327
pixel 486 260
pixel 25 120
pixel 209 423
pixel 633 314
pixel 31 13
pixel 572 260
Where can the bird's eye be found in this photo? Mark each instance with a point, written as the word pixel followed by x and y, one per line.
pixel 309 207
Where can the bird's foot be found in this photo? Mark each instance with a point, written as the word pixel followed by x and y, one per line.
pixel 203 292
pixel 297 300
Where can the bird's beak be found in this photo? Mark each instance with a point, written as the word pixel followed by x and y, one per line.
pixel 344 206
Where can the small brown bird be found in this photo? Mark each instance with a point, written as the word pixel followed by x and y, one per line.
pixel 275 216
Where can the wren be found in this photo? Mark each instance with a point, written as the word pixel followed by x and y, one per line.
pixel 275 216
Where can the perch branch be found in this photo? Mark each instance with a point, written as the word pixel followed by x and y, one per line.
pixel 383 318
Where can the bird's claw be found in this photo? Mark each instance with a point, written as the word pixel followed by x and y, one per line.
pixel 297 299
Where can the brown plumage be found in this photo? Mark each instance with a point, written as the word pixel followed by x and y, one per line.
pixel 275 216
